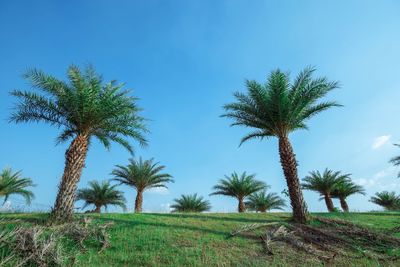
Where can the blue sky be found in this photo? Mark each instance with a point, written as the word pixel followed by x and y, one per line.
pixel 184 59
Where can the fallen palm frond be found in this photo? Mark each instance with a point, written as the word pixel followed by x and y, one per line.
pixel 327 241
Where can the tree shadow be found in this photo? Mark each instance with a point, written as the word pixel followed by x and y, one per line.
pixel 220 218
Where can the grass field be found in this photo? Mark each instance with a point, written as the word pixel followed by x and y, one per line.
pixel 204 240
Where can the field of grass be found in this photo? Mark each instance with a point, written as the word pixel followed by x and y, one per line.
pixel 204 240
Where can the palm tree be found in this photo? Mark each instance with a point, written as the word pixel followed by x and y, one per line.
pixel 101 195
pixel 344 189
pixel 263 202
pixel 278 108
pixel 11 183
pixel 324 183
pixel 142 175
pixel 396 160
pixel 238 187
pixel 84 108
pixel 388 200
pixel 191 203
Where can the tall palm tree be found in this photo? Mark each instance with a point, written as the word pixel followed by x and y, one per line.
pixel 324 183
pixel 11 183
pixel 142 175
pixel 343 190
pixel 396 160
pixel 263 202
pixel 239 187
pixel 278 108
pixel 84 108
pixel 191 203
pixel 101 195
pixel 388 200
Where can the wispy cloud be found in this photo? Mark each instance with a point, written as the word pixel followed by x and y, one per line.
pixel 382 180
pixel 159 190
pixel 380 141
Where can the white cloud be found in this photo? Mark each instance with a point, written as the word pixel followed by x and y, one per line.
pixel 159 190
pixel 382 180
pixel 6 206
pixel 380 141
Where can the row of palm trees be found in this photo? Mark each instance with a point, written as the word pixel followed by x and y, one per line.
pixel 250 193
pixel 85 107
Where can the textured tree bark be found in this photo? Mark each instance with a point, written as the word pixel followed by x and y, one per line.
pixel 139 201
pixel 289 166
pixel 74 162
pixel 329 203
pixel 343 204
pixel 97 209
pixel 241 206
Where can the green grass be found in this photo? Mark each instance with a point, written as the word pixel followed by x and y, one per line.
pixel 203 240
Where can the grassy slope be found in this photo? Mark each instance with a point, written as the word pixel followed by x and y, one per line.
pixel 203 240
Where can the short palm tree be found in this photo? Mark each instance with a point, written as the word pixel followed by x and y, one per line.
pixel 263 202
pixel 388 200
pixel 84 108
pixel 396 160
pixel 101 195
pixel 191 203
pixel 239 187
pixel 343 190
pixel 11 183
pixel 324 183
pixel 278 108
pixel 142 175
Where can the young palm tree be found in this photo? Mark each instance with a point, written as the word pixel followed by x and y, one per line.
pixel 101 195
pixel 191 203
pixel 84 108
pixel 388 200
pixel 324 183
pixel 141 175
pixel 11 183
pixel 396 160
pixel 343 190
pixel 238 187
pixel 263 202
pixel 278 108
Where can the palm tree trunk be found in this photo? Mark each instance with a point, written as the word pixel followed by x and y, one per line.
pixel 139 201
pixel 241 206
pixel 343 204
pixel 329 203
pixel 289 165
pixel 98 209
pixel 74 162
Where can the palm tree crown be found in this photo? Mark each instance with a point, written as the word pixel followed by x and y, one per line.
pixel 11 183
pixel 83 108
pixel 238 186
pixel 191 203
pixel 324 183
pixel 388 200
pixel 101 195
pixel 396 160
pixel 142 175
pixel 278 108
pixel 263 202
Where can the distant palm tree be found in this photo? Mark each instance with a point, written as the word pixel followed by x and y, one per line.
pixel 101 195
pixel 238 187
pixel 141 175
pixel 278 108
pixel 343 190
pixel 11 183
pixel 84 108
pixel 324 183
pixel 396 160
pixel 388 200
pixel 263 202
pixel 191 203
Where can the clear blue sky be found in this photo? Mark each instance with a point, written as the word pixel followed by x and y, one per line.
pixel 184 59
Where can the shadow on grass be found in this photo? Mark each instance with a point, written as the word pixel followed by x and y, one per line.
pixel 221 218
